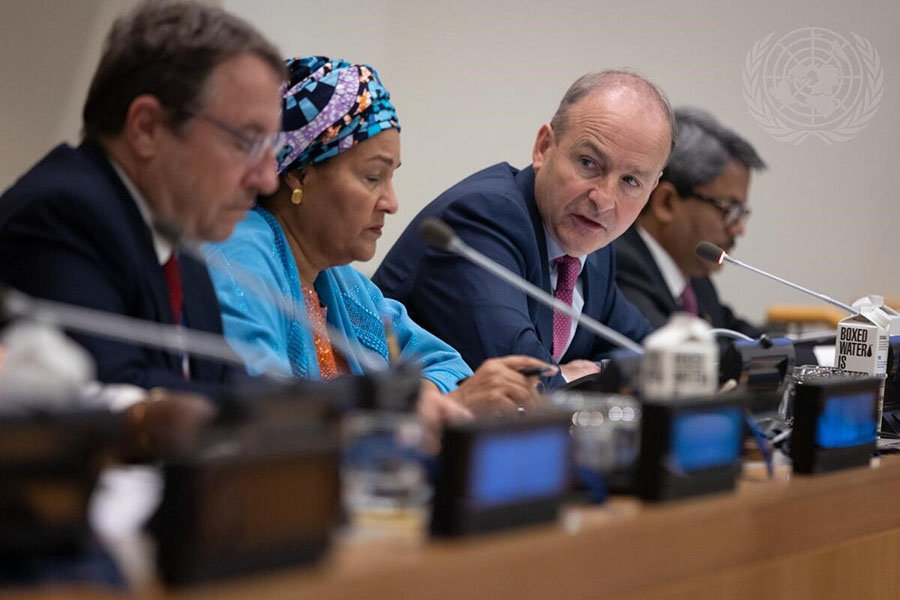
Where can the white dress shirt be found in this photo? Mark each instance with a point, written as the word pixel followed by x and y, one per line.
pixel 675 281
pixel 161 245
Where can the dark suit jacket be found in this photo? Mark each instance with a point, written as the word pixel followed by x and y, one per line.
pixel 70 232
pixel 478 314
pixel 642 282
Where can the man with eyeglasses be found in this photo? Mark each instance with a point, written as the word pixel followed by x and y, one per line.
pixel 179 129
pixel 702 195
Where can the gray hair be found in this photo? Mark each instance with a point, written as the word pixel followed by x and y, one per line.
pixel 167 49
pixel 592 82
pixel 704 148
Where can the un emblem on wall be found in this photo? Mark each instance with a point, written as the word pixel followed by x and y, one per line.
pixel 812 82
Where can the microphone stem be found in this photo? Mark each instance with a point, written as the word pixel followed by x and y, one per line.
pixel 370 361
pixel 822 297
pixel 537 293
pixel 121 327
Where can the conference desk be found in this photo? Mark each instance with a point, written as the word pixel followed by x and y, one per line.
pixel 831 536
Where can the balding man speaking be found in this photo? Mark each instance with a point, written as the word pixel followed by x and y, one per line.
pixel 593 168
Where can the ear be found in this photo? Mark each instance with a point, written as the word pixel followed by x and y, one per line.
pixel 542 144
pixel 664 202
pixel 294 179
pixel 145 121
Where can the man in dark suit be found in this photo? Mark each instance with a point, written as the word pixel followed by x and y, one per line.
pixel 702 195
pixel 179 126
pixel 551 223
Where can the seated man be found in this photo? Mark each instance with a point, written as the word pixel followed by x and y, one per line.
pixel 702 195
pixel 594 166
pixel 178 128
pixel 179 125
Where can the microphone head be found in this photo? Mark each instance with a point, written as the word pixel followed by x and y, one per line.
pixel 710 252
pixel 437 233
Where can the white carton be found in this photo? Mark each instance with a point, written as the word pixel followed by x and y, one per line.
pixel 862 340
pixel 878 301
pixel 681 359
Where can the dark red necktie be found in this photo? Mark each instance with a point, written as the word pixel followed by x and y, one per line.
pixel 689 300
pixel 176 291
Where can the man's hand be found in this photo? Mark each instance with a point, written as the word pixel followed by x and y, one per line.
pixel 498 386
pixel 577 369
pixel 165 425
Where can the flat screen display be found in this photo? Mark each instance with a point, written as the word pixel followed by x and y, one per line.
pixel 705 439
pixel 519 466
pixel 846 420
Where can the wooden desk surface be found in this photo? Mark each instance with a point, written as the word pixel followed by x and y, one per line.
pixel 833 536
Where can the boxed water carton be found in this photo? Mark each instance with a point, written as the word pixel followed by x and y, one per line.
pixel 862 339
pixel 861 346
pixel 892 315
pixel 681 360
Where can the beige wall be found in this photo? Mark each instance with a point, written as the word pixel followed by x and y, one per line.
pixel 48 52
pixel 473 81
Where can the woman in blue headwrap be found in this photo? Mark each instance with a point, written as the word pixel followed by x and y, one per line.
pixel 341 146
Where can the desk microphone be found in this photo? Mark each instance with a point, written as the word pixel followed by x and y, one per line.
pixel 122 328
pixel 286 305
pixel 712 253
pixel 441 236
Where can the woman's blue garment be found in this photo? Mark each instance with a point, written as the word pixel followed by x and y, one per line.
pixel 275 341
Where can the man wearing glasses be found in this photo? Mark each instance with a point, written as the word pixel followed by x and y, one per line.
pixel 179 130
pixel 702 195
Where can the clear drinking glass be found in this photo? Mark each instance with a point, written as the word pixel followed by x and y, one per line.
pixel 382 465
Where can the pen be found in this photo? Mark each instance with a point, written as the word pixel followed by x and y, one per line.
pixel 532 371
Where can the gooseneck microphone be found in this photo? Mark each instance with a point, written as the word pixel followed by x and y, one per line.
pixel 441 236
pixel 121 328
pixel 711 253
pixel 285 304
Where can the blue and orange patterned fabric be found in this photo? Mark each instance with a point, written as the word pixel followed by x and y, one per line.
pixel 329 106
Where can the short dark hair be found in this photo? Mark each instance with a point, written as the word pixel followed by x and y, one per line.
pixel 591 82
pixel 703 150
pixel 168 50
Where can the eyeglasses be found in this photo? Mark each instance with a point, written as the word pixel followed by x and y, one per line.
pixel 254 148
pixel 732 210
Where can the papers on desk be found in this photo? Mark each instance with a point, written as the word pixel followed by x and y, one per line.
pixel 824 354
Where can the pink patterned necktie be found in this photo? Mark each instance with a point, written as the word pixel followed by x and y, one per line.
pixel 689 300
pixel 567 268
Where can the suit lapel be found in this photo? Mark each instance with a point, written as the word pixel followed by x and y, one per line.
pixel 654 275
pixel 153 280
pixel 543 316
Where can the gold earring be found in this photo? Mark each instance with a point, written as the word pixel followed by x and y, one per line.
pixel 297 196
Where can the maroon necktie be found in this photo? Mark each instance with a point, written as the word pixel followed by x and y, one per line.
pixel 567 268
pixel 689 300
pixel 176 291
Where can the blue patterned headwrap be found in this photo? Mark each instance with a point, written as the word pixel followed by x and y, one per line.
pixel 330 106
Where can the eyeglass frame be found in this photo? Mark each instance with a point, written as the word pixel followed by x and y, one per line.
pixel 254 148
pixel 732 212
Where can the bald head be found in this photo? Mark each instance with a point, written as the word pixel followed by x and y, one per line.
pixel 615 84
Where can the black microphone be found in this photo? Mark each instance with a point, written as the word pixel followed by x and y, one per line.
pixel 441 236
pixel 711 253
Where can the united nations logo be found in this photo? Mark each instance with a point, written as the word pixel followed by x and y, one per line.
pixel 812 82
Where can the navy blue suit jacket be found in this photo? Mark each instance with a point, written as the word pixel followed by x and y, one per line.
pixel 70 232
pixel 642 282
pixel 478 314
